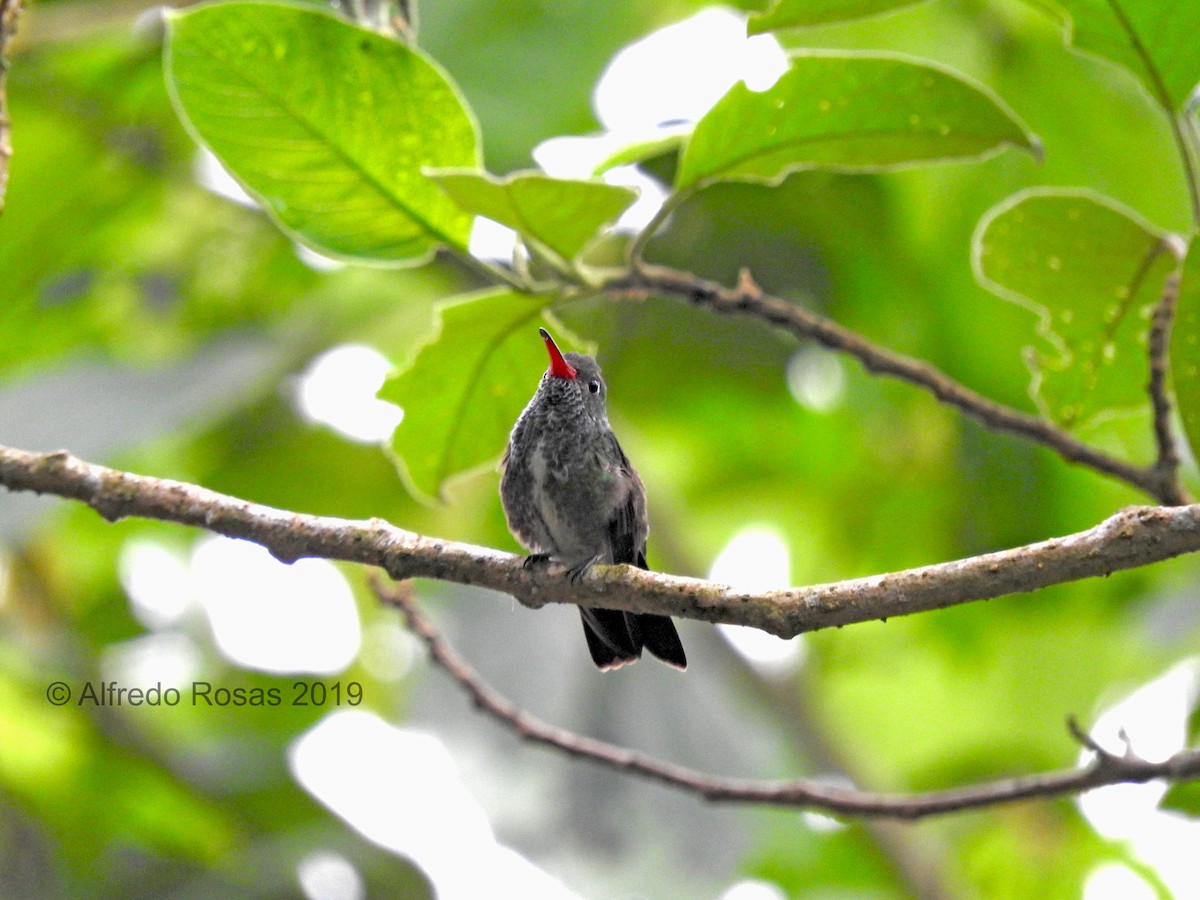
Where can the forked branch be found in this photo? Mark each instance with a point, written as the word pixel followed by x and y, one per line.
pixel 1159 480
pixel 800 793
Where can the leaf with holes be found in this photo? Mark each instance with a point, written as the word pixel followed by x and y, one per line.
pixel 1153 39
pixel 326 124
pixel 848 112
pixel 465 388
pixel 561 215
pixel 1092 270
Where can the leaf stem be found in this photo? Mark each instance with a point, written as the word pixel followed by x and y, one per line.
pixel 1163 96
pixel 1188 153
pixel 1187 128
pixel 637 246
pixel 492 273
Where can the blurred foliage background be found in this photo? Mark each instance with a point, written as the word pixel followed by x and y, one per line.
pixel 153 325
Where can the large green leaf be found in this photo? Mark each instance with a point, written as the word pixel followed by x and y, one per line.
pixel 848 112
pixel 1092 270
pixel 1154 39
pixel 807 13
pixel 464 390
pixel 1185 348
pixel 560 215
pixel 327 124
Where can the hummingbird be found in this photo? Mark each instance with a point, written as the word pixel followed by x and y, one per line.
pixel 571 496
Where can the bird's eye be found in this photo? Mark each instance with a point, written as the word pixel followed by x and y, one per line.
pixel 594 386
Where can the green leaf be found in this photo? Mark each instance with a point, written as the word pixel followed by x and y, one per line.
pixel 328 125
pixel 1185 351
pixel 1193 725
pixel 807 13
pixel 667 139
pixel 560 215
pixel 1092 270
pixel 1153 39
pixel 464 390
pixel 848 112
pixel 1183 797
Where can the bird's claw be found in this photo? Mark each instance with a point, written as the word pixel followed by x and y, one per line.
pixel 535 559
pixel 576 572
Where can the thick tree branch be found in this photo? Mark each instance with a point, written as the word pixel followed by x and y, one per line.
pixel 748 299
pixel 1133 537
pixel 801 793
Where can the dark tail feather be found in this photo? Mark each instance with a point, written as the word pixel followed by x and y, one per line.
pixel 609 637
pixel 616 638
pixel 658 635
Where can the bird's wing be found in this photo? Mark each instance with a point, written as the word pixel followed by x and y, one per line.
pixel 656 633
pixel 624 540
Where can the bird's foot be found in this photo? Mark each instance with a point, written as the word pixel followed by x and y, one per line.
pixel 535 559
pixel 577 571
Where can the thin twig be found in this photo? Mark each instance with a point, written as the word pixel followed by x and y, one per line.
pixel 1158 345
pixel 748 299
pixel 9 10
pixel 801 793
pixel 1131 538
pixel 1085 740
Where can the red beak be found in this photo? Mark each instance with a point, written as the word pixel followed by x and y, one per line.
pixel 559 367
